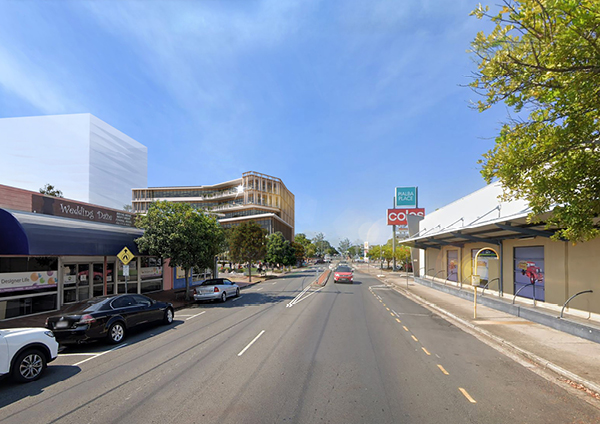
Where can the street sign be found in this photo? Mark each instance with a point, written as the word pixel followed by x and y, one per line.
pixel 406 197
pixel 125 256
pixel 125 270
pixel 399 216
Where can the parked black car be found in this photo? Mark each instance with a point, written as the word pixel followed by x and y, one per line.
pixel 108 317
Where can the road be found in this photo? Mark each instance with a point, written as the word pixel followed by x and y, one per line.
pixel 358 353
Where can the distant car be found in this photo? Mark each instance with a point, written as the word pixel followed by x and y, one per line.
pixel 108 317
pixel 216 289
pixel 25 352
pixel 343 273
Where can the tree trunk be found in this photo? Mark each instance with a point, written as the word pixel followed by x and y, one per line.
pixel 187 284
pixel 249 272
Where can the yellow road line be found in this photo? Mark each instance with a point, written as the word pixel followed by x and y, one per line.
pixel 425 350
pixel 443 370
pixel 392 314
pixel 414 338
pixel 384 304
pixel 404 326
pixel 386 308
pixel 468 396
pixel 397 319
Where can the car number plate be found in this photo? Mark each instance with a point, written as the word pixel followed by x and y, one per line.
pixel 61 324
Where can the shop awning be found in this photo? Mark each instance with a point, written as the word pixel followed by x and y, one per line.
pixel 489 232
pixel 25 233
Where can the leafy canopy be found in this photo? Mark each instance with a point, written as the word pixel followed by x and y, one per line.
pixel 50 190
pixel 542 59
pixel 247 242
pixel 180 233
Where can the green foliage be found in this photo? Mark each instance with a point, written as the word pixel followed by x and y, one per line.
pixel 344 246
pixel 301 239
pixel 542 59
pixel 247 243
pixel 50 190
pixel 299 252
pixel 276 248
pixel 180 233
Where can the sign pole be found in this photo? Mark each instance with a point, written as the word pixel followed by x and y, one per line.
pixel 394 242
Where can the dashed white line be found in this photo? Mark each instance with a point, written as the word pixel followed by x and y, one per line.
pixel 194 316
pixel 251 343
pixel 236 299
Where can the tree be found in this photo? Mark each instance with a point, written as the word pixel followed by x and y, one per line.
pixel 344 246
pixel 301 238
pixel 319 242
pixel 247 243
pixel 289 254
pixel 50 190
pixel 542 59
pixel 299 252
pixel 276 249
pixel 182 234
pixel 127 208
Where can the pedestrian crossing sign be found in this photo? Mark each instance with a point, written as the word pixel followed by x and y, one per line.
pixel 125 255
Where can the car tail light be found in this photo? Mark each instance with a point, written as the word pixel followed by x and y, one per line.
pixel 87 319
pixel 216 290
pixel 195 291
pixel 46 324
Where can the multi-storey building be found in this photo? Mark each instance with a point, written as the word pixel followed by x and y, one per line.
pixel 253 197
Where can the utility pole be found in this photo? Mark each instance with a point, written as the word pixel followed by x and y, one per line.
pixel 394 240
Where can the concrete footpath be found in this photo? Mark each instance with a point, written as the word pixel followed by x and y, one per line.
pixel 573 359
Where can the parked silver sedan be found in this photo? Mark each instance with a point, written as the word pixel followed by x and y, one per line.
pixel 216 289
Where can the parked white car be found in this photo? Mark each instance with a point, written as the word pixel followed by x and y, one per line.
pixel 25 352
pixel 216 289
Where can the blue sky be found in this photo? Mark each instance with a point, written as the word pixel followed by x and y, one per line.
pixel 342 100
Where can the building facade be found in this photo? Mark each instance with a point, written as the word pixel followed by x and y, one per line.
pixel 483 240
pixel 55 251
pixel 84 157
pixel 253 197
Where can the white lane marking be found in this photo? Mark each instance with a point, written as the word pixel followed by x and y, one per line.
pixel 258 290
pixel 99 354
pixel 77 354
pixel 251 343
pixel 237 298
pixel 308 295
pixel 194 316
pixel 298 296
pixel 275 283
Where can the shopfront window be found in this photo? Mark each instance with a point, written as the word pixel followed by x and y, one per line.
pixel 127 284
pixel 151 274
pixel 28 285
pixel 529 272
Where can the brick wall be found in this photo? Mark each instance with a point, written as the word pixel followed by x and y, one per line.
pixel 15 198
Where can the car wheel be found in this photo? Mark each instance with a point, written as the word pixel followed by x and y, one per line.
pixel 28 366
pixel 237 292
pixel 116 332
pixel 223 297
pixel 168 319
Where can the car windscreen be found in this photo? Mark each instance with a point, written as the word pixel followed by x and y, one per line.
pixel 343 269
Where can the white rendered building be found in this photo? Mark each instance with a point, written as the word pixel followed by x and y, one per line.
pixel 84 157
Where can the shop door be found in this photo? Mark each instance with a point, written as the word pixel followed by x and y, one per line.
pixel 83 282
pixel 69 283
pixel 98 279
pixel 110 278
pixel 452 265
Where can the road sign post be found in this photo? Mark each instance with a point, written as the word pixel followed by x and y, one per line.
pixel 125 256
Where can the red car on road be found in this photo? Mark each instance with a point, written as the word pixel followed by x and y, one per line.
pixel 343 273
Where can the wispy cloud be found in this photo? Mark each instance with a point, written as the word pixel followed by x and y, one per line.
pixel 26 78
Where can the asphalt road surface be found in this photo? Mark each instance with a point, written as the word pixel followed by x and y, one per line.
pixel 344 353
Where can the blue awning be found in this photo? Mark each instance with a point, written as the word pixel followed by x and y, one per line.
pixel 26 233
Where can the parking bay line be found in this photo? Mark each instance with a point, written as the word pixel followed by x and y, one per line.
pixel 100 354
pixel 194 316
pixel 251 343
pixel 236 299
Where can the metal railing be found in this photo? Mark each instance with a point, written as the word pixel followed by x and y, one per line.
pixel 430 269
pixel 487 285
pixel 463 280
pixel 441 270
pixel 518 291
pixel 571 298
pixel 449 275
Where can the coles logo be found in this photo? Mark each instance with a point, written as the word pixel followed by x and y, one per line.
pixel 398 216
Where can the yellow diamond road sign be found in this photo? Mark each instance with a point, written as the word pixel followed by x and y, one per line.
pixel 125 255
